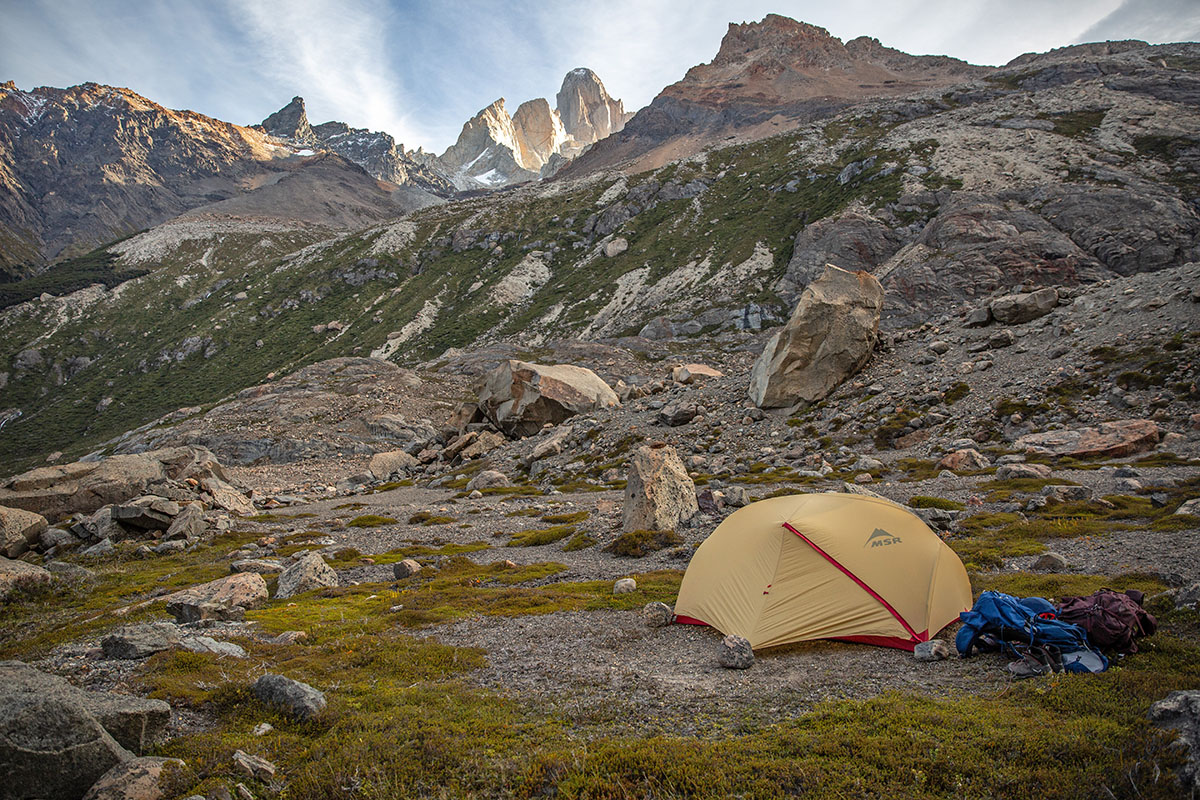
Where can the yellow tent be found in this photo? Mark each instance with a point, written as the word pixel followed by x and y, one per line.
pixel 824 566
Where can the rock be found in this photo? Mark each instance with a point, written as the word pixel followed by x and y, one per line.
pixel 551 445
pixel 484 443
pixel 263 728
pixel 140 641
pixel 737 496
pixel 207 644
pixel 258 565
pixel 85 486
pixel 488 479
pixel 1050 562
pixel 659 495
pixel 868 464
pixel 625 586
pixel 828 338
pixel 657 329
pixel 405 569
pixel 310 572
pixel 676 414
pixel 1009 471
pixel 735 653
pixel 243 589
pixel 227 497
pixel 189 524
pixel 15 575
pixel 290 637
pixel 616 247
pixel 256 767
pixel 1013 309
pixel 143 778
pixel 939 347
pixel 188 611
pixel 966 459
pixel 1067 493
pixel 70 572
pixel 100 549
pixel 687 373
pixel 1180 711
pixel 1191 507
pixel 384 465
pixel 295 698
pixel 57 740
pixel 933 650
pixel 147 514
pixel 19 530
pixel 52 747
pixel 657 615
pixel 1112 439
pixel 1005 338
pixel 520 397
pixel 978 317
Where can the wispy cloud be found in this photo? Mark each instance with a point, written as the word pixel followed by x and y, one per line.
pixel 335 54
pixel 420 68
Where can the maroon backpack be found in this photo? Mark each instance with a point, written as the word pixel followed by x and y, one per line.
pixel 1113 620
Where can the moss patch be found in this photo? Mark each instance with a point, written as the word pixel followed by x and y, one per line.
pixel 370 521
pixel 636 544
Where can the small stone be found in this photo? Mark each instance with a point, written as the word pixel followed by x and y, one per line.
pixel 940 348
pixel 1188 597
pixel 405 569
pixel 290 637
pixel 135 779
pixel 657 615
pixel 140 641
pixel 735 653
pixel 1128 485
pixel 1050 562
pixel 256 767
pixel 625 586
pixel 933 650
pixel 263 728
pixel 1191 507
pixel 1008 471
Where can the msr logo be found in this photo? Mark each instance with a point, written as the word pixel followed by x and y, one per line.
pixel 881 538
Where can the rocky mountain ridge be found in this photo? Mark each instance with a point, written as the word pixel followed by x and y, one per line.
pixel 769 76
pixel 375 151
pixel 495 149
pixel 85 165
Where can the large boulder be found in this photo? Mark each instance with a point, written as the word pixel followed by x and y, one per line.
pixel 308 573
pixel 136 779
pixel 384 465
pixel 85 486
pixel 19 530
pixel 1108 439
pixel 56 740
pixel 829 337
pixel 520 397
pixel 241 589
pixel 659 495
pixel 1013 309
pixel 1180 711
pixel 14 574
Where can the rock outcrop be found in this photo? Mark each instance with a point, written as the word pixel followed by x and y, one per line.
pixel 19 530
pixel 659 494
pixel 308 573
pixel 57 740
pixel 519 397
pixel 1109 439
pixel 828 338
pixel 588 113
pixel 85 486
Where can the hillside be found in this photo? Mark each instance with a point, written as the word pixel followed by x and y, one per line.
pixel 1029 176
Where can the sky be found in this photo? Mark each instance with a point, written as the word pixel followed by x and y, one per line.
pixel 419 69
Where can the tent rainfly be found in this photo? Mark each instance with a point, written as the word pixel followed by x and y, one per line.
pixel 824 566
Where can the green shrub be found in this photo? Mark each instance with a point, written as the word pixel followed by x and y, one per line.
pixel 636 544
pixel 370 521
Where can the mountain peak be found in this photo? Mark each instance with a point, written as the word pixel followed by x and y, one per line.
pixel 587 110
pixel 291 122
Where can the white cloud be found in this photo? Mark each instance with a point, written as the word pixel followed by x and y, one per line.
pixel 335 54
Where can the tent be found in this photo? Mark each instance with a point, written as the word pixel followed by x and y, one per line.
pixel 824 566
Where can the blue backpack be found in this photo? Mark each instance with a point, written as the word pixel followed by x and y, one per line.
pixel 1000 621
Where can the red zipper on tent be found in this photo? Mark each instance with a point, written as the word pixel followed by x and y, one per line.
pixel 859 581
